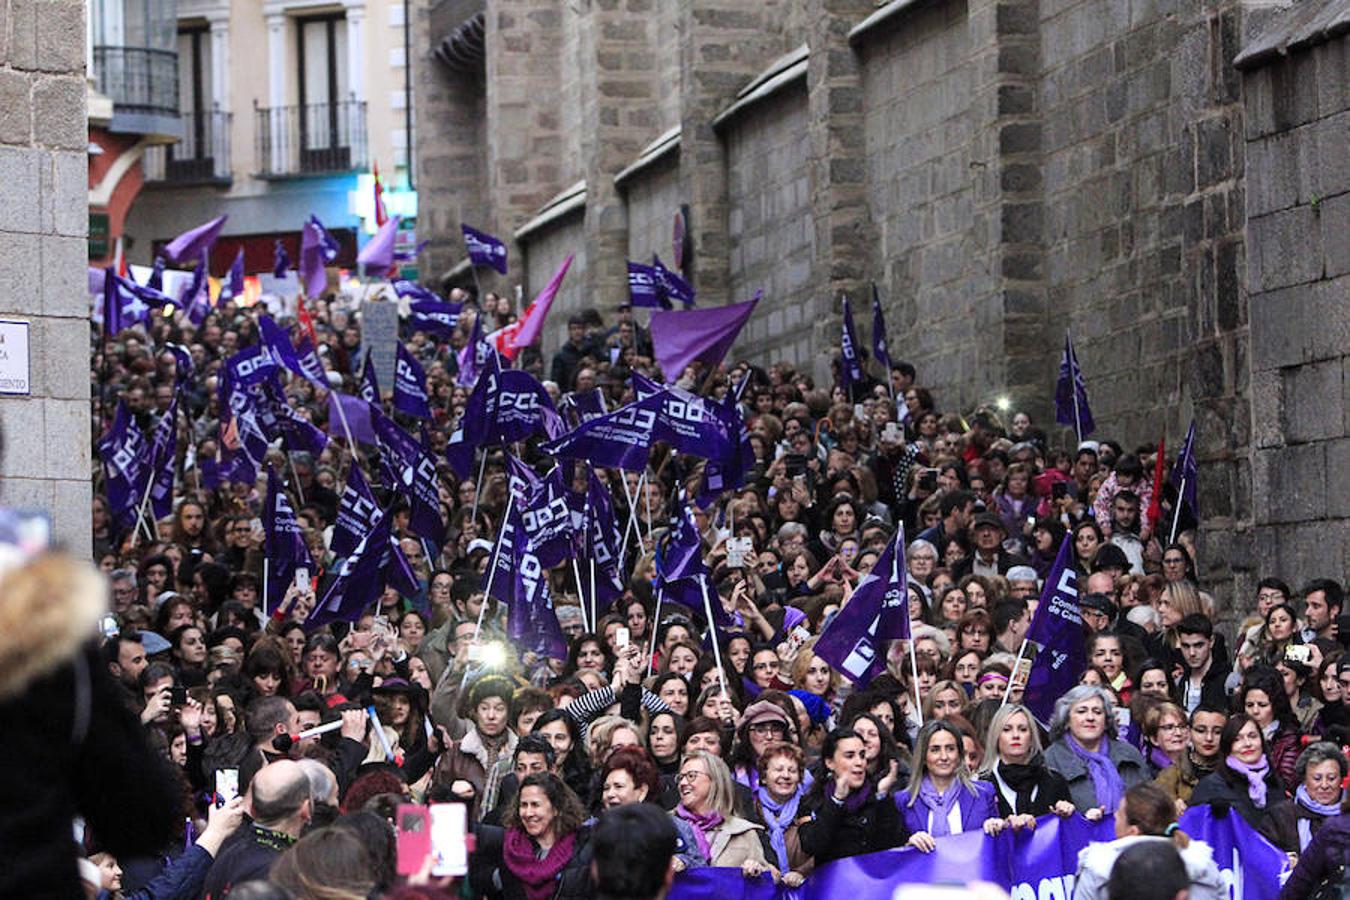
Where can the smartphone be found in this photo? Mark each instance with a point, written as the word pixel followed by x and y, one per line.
pixel 621 637
pixel 381 623
pixel 413 837
pixel 928 480
pixel 738 549
pixel 108 627
pixel 450 839
pixel 796 465
pixel 796 637
pixel 302 582
pixel 227 786
pixel 361 639
pixel 178 695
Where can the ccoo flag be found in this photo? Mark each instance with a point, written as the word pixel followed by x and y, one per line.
pixel 1058 628
pixel 506 406
pixel 414 475
pixel 356 511
pixel 484 249
pixel 164 459
pixel 878 611
pixel 850 364
pixel 283 542
pixel 1071 403
pixel 410 385
pixel 1186 473
pixel 670 286
pixel 880 349
pixel 644 287
pixel 125 464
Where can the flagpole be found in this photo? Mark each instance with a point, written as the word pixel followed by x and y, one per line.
pixel 346 429
pixel 914 667
pixel 140 513
pixel 647 499
pixel 656 618
pixel 1176 513
pixel 581 595
pixel 477 486
pixel 299 489
pixel 1017 666
pixel 632 516
pixel 1073 384
pixel 267 569
pixel 492 570
pixel 473 270
pixel 712 627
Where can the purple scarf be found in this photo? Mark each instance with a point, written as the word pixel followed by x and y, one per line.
pixel 778 816
pixel 1305 800
pixel 1256 777
pixel 1105 779
pixel 856 800
pixel 940 805
pixel 702 823
pixel 1159 759
pixel 537 876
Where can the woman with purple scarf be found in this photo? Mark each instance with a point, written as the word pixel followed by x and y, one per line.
pixel 848 814
pixel 1244 779
pixel 1321 771
pixel 942 798
pixel 1098 768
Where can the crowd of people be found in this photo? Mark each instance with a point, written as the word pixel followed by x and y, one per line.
pixel 760 757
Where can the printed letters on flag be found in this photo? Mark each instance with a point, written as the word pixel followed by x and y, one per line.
pixel 850 365
pixel 414 475
pixel 356 511
pixel 1071 404
pixel 410 385
pixel 878 611
pixel 1058 628
pixel 506 406
pixel 163 460
pixel 125 455
pixel 484 249
pixel 283 542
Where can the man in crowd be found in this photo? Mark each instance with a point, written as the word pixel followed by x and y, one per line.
pixel 280 807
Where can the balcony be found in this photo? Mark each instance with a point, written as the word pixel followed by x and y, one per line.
pixel 201 157
pixel 142 82
pixel 314 139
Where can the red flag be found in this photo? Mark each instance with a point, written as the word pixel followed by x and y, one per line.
pixel 380 215
pixel 1155 504
pixel 306 322
pixel 525 331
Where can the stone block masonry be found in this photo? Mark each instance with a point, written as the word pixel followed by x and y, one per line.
pixel 45 436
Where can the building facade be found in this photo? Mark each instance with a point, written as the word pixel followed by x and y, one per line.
pixel 1004 170
pixel 284 108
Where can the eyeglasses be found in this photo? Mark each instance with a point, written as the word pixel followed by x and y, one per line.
pixel 1175 726
pixel 768 728
pixel 690 776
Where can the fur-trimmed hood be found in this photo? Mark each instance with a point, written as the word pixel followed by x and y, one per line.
pixel 49 607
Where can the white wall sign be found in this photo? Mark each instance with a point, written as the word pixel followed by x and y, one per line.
pixel 14 370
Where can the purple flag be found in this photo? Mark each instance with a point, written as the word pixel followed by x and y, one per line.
pixel 125 455
pixel 547 517
pixel 593 512
pixel 410 385
pixel 1186 474
pixel 1071 403
pixel 683 553
pixel 618 440
pixel 850 365
pixel 278 343
pixel 126 303
pixel 484 249
pixel 283 542
pixel 369 387
pixel 357 509
pixel 521 581
pixel 377 256
pixel 1058 628
pixel 671 286
pixel 196 297
pixel 878 611
pixel 355 412
pixel 281 261
pixel 318 249
pixel 281 420
pixel 434 316
pixel 687 422
pixel 414 291
pixel 880 349
pixel 163 460
pixel 684 337
pixel 506 406
pixel 193 243
pixel 584 405
pixel 156 279
pixel 473 356
pixel 728 473
pixel 414 476
pixel 235 282
pixel 360 580
pixel 644 287
pixel 182 363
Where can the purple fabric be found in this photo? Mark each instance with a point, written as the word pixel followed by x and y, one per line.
pixel 194 242
pixel 1255 775
pixel 1106 779
pixel 413 473
pixel 410 385
pixel 878 611
pixel 484 249
pixel 283 542
pixel 235 279
pixel 357 509
pixel 377 256
pixel 318 249
pixel 434 316
pixel 1058 628
pixel 281 261
pixel 644 288
pixel 369 387
pixel 125 455
pixel 357 412
pixel 670 285
pixel 939 805
pixel 850 364
pixel 163 456
pixel 702 823
pixel 1187 470
pixel 360 580
pixel 880 349
pixel 1071 404
pixel 684 337
pixel 506 406
pixel 539 307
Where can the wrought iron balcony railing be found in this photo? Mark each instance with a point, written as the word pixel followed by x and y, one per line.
pixel 311 139
pixel 202 156
pixel 138 79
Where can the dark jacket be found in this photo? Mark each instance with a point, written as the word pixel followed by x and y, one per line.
pixel 1212 692
pixel 1050 788
pixel 1004 561
pixel 1082 791
pixel 1224 786
pixel 488 873
pixel 246 856
pixel 1324 859
pixel 181 879
pixel 1284 821
pixel 829 831
pixel 71 747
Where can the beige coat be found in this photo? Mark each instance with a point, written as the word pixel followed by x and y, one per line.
pixel 733 842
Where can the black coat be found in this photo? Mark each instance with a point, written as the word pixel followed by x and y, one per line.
pixel 487 869
pixel 1226 788
pixel 834 833
pixel 1050 788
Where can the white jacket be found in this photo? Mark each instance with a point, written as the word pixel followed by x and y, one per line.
pixel 1096 859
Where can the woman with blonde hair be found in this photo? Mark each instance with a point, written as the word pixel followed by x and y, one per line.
pixel 1014 763
pixel 707 802
pixel 946 698
pixel 942 798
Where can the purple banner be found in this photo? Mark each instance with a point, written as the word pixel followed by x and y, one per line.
pixel 1071 404
pixel 1058 628
pixel 357 509
pixel 506 406
pixel 1028 865
pixel 878 611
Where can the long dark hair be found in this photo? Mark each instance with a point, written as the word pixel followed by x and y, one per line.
pixel 570 668
pixel 1265 678
pixel 577 761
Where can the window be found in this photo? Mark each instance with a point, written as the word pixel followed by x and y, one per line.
pixel 325 137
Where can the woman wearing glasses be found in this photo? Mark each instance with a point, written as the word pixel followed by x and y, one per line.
pixel 707 798
pixel 1165 737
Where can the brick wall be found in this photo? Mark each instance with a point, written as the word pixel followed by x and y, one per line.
pixel 1298 281
pixel 771 238
pixel 45 452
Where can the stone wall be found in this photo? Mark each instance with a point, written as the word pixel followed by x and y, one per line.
pixel 45 437
pixel 771 233
pixel 547 248
pixel 1297 101
pixel 652 196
